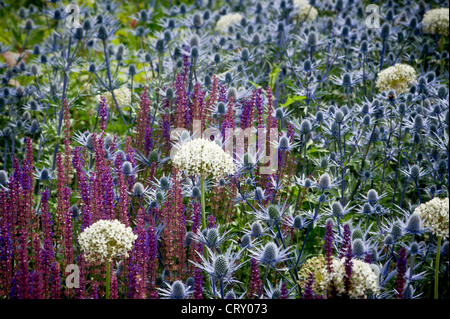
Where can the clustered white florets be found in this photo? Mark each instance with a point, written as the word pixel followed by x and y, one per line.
pixel 122 94
pixel 397 77
pixel 304 11
pixel 434 215
pixel 202 157
pixel 228 20
pixel 436 21
pixel 363 278
pixel 106 239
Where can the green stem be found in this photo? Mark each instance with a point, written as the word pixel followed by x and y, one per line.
pixel 436 272
pixel 108 275
pixel 202 186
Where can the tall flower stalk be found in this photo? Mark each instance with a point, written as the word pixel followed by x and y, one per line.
pixel 436 270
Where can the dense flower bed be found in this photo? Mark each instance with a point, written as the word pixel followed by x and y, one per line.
pixel 224 149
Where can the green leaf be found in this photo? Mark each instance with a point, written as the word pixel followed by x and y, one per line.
pixel 119 128
pixel 292 99
pixel 255 85
pixel 274 75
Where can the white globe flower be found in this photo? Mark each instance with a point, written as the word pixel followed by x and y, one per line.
pixel 397 77
pixel 363 279
pixel 436 21
pixel 304 11
pixel 122 94
pixel 203 157
pixel 106 239
pixel 226 21
pixel 434 215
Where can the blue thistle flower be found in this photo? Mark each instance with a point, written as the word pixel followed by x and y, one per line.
pixel 212 238
pixel 177 290
pixel 44 175
pixel 389 239
pixel 75 212
pixel 256 230
pixel 138 190
pixel 358 247
pixel 3 178
pixel 128 169
pixel 414 225
pixel 270 255
pixel 220 266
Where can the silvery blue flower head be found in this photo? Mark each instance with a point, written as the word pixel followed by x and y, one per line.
pixel 325 182
pixel 306 182
pixel 128 169
pixel 212 238
pixel 366 209
pixel 102 33
pixel 372 197
pixel 304 127
pixel 220 266
pixel 357 232
pixel 394 228
pixel 138 190
pixel 194 192
pixel 3 178
pixel 336 210
pixel 347 80
pixel 413 225
pixel 385 30
pixel 44 175
pixel 256 230
pixel 319 117
pixel 297 222
pixel 220 108
pixel 188 238
pixel 246 241
pixel 158 196
pixel 358 247
pixel 415 248
pixel 85 139
pixel 271 214
pixel 273 292
pixel 153 157
pixel 389 239
pixel 248 162
pixel 177 290
pixel 284 143
pixel 414 172
pixel 222 182
pixel 270 254
pixel 322 198
pixel 281 113
pixel 33 127
pixel 259 194
pixel 75 212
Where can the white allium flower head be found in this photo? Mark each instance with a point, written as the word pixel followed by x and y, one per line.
pixel 434 215
pixel 106 239
pixel 363 278
pixel 122 94
pixel 228 20
pixel 436 21
pixel 397 77
pixel 203 157
pixel 304 11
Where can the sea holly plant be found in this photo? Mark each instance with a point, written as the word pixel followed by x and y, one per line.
pixel 279 149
